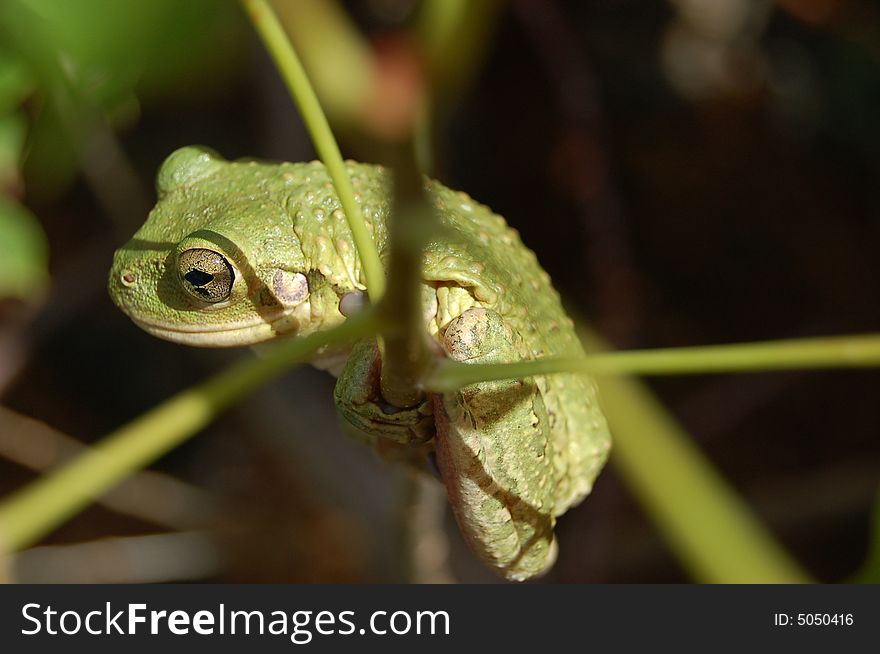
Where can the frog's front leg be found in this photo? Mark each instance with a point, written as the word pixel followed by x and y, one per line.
pixel 396 433
pixel 495 453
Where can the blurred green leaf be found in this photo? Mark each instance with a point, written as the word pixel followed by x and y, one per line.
pixel 23 252
pixel 16 80
pixel 108 48
pixel 90 59
pixel 12 133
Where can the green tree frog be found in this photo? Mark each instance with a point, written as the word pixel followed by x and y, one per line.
pixel 241 252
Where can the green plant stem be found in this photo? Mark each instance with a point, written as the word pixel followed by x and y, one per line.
pixel 288 63
pixel 406 353
pixel 858 351
pixel 35 510
pixel 454 35
pixel 711 530
pixel 336 54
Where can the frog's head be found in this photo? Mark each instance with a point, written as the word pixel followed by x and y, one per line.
pixel 231 254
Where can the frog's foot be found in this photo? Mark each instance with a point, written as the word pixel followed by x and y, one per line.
pixel 495 453
pixel 365 414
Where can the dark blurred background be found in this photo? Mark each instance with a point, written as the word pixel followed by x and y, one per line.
pixel 689 172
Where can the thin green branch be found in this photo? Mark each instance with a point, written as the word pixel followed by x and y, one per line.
pixel 454 35
pixel 35 510
pixel 288 63
pixel 336 54
pixel 406 354
pixel 858 351
pixel 151 496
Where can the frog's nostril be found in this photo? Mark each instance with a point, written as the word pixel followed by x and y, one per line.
pixel 128 278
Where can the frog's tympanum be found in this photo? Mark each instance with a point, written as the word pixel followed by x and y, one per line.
pixel 237 253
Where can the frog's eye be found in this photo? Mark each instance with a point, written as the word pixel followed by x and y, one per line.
pixel 206 275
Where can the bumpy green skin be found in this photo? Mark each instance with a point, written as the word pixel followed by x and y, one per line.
pixel 513 455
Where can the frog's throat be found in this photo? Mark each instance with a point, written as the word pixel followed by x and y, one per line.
pixel 223 335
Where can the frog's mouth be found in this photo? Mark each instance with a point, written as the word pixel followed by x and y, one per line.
pixel 244 332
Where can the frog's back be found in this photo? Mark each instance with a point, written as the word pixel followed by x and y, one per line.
pixel 478 261
pixel 491 263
